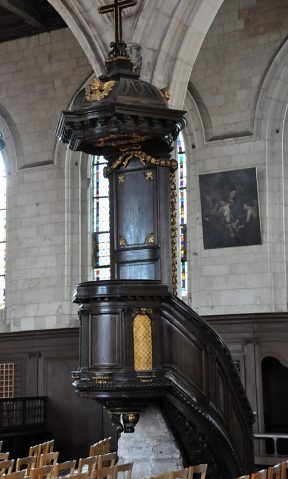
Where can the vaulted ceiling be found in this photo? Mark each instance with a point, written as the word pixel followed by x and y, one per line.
pixel 21 18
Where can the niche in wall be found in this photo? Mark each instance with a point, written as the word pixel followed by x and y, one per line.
pixel 275 400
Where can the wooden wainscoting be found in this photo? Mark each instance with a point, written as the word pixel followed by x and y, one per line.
pixel 43 363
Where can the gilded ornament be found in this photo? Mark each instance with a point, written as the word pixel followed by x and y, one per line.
pixel 134 151
pixel 142 334
pixel 122 242
pixel 165 93
pixel 150 239
pixel 121 179
pixel 173 229
pixel 102 379
pixel 148 175
pixel 97 90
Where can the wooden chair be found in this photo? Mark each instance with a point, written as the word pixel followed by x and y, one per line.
pixel 103 473
pixel 42 472
pixel 64 468
pixel 274 472
pixel 79 475
pixel 124 471
pixel 200 469
pixel 179 474
pixel 161 476
pixel 107 460
pixel 48 458
pixel 246 476
pixel 6 466
pixel 15 475
pixel 284 469
pixel 4 456
pixel 49 446
pixel 25 464
pixel 100 447
pixel 260 474
pixel 88 464
pixel 35 452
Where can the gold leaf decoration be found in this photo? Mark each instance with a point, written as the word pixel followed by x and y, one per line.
pixel 142 333
pixel 97 90
pixel 165 93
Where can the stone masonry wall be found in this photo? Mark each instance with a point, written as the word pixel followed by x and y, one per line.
pixel 239 131
pixel 39 77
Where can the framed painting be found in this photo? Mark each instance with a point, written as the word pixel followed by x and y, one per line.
pixel 230 210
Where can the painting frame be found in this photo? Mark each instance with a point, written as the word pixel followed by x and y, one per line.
pixel 230 208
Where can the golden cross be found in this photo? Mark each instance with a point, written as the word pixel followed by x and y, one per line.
pixel 117 7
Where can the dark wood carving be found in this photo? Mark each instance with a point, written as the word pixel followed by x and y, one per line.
pixel 193 372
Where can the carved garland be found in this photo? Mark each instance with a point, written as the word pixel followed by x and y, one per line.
pixel 135 152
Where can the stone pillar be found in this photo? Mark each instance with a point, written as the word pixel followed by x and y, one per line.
pixel 151 448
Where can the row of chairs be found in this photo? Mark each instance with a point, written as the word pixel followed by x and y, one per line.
pixel 187 473
pixel 279 471
pixel 101 447
pixel 125 470
pixel 28 464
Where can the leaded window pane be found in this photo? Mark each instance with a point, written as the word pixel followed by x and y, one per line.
pixel 182 195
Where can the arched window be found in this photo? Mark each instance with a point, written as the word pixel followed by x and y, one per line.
pixel 182 207
pixel 2 231
pixel 101 223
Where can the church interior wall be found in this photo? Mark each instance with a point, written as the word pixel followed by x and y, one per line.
pixel 40 75
pixel 48 251
pixel 245 129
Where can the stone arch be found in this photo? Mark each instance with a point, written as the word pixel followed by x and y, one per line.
pixel 168 56
pixel 271 126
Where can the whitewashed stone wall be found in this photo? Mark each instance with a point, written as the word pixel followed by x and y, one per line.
pixel 240 76
pixel 39 77
pixel 151 448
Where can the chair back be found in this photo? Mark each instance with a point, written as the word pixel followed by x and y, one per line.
pixel 103 473
pixel 88 464
pixel 35 451
pixel 64 468
pixel 42 472
pixel 6 466
pixel 79 475
pixel 51 445
pixel 199 469
pixel 25 464
pixel 274 472
pixel 48 458
pixel 284 469
pixel 179 474
pixel 15 475
pixel 124 471
pixel 100 447
pixel 4 456
pixel 260 474
pixel 107 460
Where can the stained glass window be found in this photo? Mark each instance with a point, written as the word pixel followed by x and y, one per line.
pixel 2 231
pixel 182 195
pixel 101 223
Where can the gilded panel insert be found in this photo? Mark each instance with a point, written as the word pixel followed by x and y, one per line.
pixel 142 333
